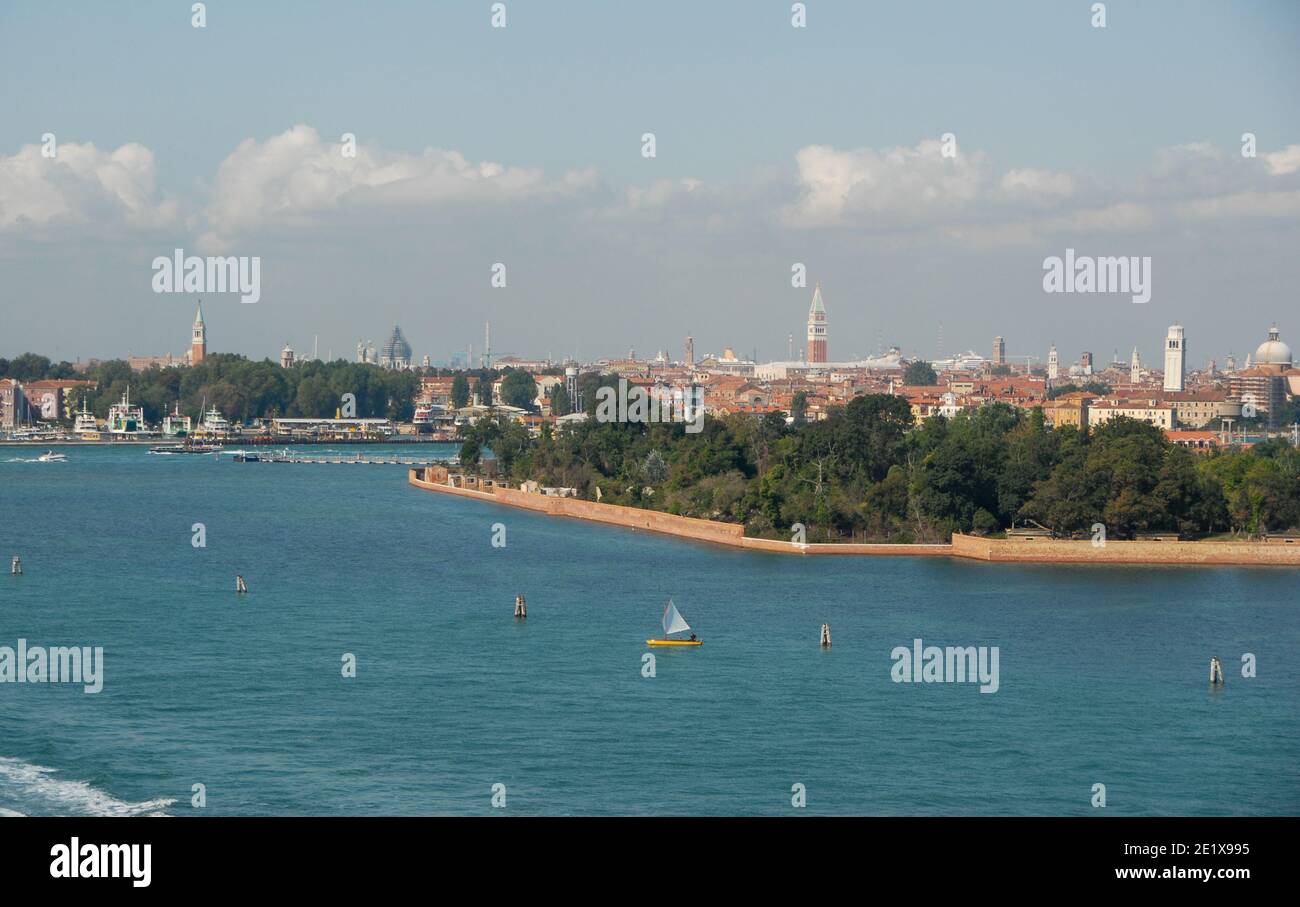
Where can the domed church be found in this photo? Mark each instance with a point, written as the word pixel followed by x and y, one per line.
pixel 1264 387
pixel 1273 353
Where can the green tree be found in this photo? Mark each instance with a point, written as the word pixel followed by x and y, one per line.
pixel 471 453
pixel 560 403
pixel 460 391
pixel 920 372
pixel 799 407
pixel 519 389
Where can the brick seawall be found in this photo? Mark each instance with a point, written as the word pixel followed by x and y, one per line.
pixel 1048 551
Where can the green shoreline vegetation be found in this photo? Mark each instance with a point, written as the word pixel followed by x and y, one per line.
pixel 867 473
pixel 244 389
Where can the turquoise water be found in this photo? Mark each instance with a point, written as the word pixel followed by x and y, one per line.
pixel 1103 670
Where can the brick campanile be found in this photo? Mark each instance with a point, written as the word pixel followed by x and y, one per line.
pixel 817 327
pixel 199 338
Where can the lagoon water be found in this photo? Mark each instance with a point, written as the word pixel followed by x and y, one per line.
pixel 1103 670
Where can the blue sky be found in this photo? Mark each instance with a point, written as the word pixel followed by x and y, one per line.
pixel 607 250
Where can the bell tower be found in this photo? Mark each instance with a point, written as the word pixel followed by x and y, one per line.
pixel 199 338
pixel 817 327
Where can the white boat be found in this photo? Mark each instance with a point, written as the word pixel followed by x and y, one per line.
pixel 125 420
pixel 51 457
pixel 214 425
pixel 673 622
pixel 86 424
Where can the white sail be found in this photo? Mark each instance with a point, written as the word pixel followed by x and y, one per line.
pixel 673 622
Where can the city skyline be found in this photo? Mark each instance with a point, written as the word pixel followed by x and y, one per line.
pixel 818 322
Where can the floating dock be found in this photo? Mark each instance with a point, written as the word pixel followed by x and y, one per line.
pixel 339 459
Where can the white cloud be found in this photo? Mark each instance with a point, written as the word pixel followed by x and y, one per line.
pixel 917 195
pixel 1035 184
pixel 911 184
pixel 1283 162
pixel 293 177
pixel 1242 205
pixel 81 185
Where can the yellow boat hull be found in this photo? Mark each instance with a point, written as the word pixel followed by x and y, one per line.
pixel 674 642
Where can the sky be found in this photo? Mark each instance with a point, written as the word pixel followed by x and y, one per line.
pixel 774 146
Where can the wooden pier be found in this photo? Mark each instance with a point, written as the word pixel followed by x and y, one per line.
pixel 341 459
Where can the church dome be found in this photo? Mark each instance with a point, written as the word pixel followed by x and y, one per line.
pixel 397 349
pixel 1273 351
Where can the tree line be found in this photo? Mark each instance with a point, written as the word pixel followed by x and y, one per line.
pixel 244 389
pixel 867 472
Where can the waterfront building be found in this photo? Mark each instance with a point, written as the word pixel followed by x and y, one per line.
pixel 816 352
pixel 13 403
pixel 337 429
pixel 52 399
pixel 1175 358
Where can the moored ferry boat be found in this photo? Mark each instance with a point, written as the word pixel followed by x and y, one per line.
pixel 126 421
pixel 423 418
pixel 87 426
pixel 214 427
pixel 174 424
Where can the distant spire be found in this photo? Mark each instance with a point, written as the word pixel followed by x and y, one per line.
pixel 817 300
pixel 198 316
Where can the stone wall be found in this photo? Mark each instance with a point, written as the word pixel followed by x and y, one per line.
pixel 1048 551
pixel 1056 551
pixel 631 517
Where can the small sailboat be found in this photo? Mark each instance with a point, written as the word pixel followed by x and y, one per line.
pixel 674 623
